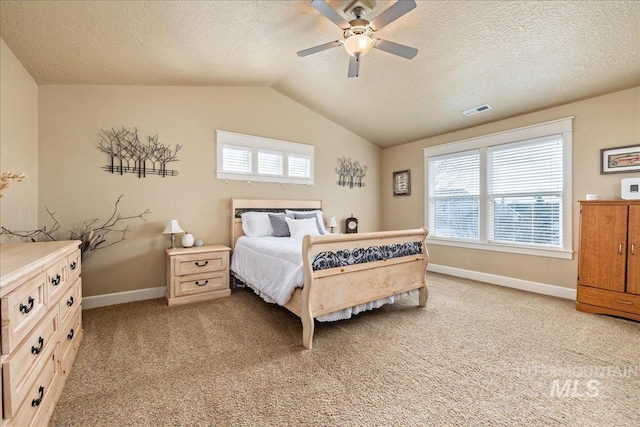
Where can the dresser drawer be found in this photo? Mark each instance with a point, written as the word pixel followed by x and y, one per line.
pixel 21 310
pixel 75 267
pixel 201 263
pixel 609 299
pixel 57 280
pixel 70 335
pixel 20 370
pixel 39 397
pixel 197 283
pixel 71 300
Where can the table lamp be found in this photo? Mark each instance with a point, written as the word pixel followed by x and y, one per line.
pixel 172 228
pixel 332 223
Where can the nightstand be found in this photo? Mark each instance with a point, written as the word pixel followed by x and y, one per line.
pixel 197 274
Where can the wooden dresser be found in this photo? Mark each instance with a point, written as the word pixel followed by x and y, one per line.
pixel 41 293
pixel 197 274
pixel 609 258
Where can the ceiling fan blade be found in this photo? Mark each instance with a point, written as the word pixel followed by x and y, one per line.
pixel 322 7
pixel 396 48
pixel 394 12
pixel 319 48
pixel 354 66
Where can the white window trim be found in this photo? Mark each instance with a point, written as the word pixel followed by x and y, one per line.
pixel 264 144
pixel 561 126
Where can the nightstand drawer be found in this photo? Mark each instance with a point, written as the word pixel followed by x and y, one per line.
pixel 201 263
pixel 197 283
pixel 197 274
pixel 21 370
pixel 609 299
pixel 21 310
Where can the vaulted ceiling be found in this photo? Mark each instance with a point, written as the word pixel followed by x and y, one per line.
pixel 517 56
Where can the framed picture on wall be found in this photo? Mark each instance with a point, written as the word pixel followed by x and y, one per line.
pixel 620 159
pixel 402 183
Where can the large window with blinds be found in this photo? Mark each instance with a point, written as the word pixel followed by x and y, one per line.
pixel 253 158
pixel 507 192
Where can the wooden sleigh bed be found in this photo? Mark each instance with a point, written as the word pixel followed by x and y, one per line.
pixel 330 286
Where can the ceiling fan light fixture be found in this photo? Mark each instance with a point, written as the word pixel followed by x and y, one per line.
pixel 358 44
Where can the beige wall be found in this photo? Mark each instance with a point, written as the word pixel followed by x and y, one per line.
pixel 606 121
pixel 18 143
pixel 73 185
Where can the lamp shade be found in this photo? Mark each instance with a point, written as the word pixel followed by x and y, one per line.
pixel 332 222
pixel 172 227
pixel 358 43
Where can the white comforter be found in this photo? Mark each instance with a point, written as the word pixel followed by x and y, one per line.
pixel 272 267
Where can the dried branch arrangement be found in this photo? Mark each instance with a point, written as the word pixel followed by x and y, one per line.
pixel 350 173
pixel 129 155
pixel 8 178
pixel 92 234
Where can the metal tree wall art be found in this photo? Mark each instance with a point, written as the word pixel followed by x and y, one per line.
pixel 350 173
pixel 129 155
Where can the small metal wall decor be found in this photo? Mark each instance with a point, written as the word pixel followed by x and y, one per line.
pixel 129 155
pixel 350 173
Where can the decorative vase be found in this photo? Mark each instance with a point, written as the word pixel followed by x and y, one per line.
pixel 199 243
pixel 187 240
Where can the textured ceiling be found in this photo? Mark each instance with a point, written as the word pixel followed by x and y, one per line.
pixel 516 56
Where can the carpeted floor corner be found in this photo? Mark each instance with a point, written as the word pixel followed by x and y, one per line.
pixel 478 355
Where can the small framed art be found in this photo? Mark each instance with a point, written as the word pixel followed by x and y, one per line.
pixel 402 183
pixel 620 159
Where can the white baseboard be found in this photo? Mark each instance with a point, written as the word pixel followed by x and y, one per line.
pixel 509 282
pixel 123 297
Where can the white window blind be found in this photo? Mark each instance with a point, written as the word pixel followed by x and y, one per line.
pixel 253 158
pixel 454 195
pixel 509 191
pixel 236 159
pixel 524 189
pixel 269 163
pixel 299 166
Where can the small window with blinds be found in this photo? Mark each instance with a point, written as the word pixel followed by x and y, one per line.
pixel 509 191
pixel 253 158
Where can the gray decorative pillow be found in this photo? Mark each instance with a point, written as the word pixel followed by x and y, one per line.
pixel 279 225
pixel 311 215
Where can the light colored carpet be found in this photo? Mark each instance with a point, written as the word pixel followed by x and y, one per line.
pixel 477 355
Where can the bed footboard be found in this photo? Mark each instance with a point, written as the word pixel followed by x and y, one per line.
pixel 345 270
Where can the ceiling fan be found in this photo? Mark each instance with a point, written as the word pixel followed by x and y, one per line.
pixel 359 33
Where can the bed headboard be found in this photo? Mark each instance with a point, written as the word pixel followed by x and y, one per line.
pixel 239 206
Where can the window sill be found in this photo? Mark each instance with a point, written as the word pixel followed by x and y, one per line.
pixel 549 253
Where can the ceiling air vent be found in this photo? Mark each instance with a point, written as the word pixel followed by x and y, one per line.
pixel 477 110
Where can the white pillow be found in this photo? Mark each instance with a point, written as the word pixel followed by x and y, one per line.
pixel 302 227
pixel 256 224
pixel 318 213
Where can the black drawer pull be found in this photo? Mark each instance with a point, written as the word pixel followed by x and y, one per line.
pixel 201 265
pixel 56 281
pixel 70 335
pixel 37 350
pixel 202 284
pixel 25 309
pixel 38 401
pixel 70 301
pixel 73 265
